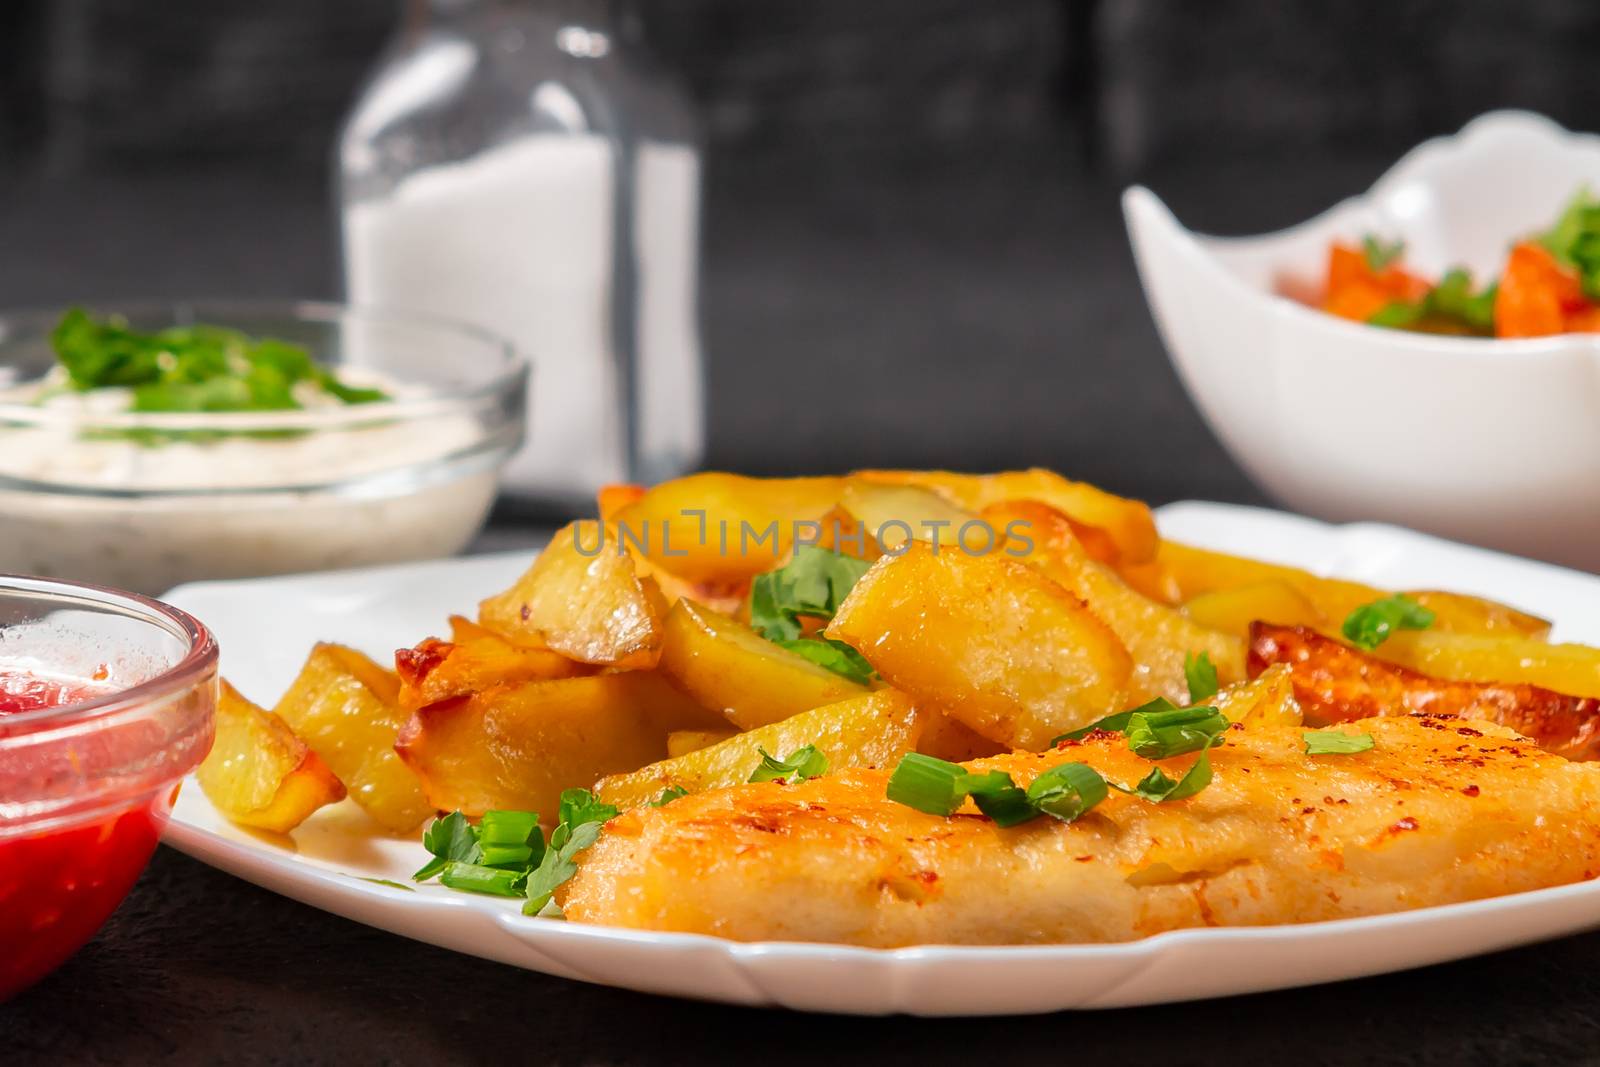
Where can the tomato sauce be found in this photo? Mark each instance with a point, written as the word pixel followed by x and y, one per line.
pixel 59 885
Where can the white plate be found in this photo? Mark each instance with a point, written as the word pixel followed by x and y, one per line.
pixel 266 625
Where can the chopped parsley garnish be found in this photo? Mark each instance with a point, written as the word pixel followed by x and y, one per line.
pixel 506 853
pixel 812 585
pixel 1201 676
pixel 668 795
pixel 1335 742
pixel 194 368
pixel 803 763
pixel 1380 254
pixel 1372 624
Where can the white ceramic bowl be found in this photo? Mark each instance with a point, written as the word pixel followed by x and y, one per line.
pixel 1488 441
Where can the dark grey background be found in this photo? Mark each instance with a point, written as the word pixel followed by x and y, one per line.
pixel 912 238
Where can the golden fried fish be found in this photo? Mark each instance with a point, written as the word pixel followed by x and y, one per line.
pixel 1439 810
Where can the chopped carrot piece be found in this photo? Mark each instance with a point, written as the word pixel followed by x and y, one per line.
pixel 1537 294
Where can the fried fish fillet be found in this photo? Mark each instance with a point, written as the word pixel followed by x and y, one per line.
pixel 1336 683
pixel 1440 810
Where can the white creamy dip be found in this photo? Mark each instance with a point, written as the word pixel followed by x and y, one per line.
pixel 146 517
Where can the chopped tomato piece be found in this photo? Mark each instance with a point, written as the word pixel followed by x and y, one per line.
pixel 1356 291
pixel 1539 297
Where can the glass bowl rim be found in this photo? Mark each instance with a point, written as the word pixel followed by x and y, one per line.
pixel 198 661
pixel 510 375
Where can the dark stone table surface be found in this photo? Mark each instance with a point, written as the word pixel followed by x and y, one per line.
pixel 978 319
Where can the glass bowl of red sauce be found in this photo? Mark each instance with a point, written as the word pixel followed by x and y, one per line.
pixel 106 702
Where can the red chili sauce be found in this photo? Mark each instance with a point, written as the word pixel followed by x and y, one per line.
pixel 59 885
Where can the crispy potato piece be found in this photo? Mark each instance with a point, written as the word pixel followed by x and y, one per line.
pixel 895 514
pixel 1459 613
pixel 1197 571
pixel 1336 683
pixel 1128 523
pixel 611 499
pixel 847 535
pixel 730 598
pixel 726 666
pixel 347 708
pixel 1154 580
pixel 1233 610
pixel 953 740
pixel 583 599
pixel 1268 699
pixel 714 527
pixel 988 640
pixel 519 746
pixel 437 670
pixel 874 730
pixel 683 742
pixel 1156 636
pixel 1565 668
pixel 259 773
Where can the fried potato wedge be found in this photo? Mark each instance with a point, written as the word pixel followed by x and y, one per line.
pixel 847 535
pixel 987 640
pixel 438 670
pixel 683 742
pixel 1233 610
pixel 583 598
pixel 611 499
pixel 874 730
pixel 347 709
pixel 724 528
pixel 1458 613
pixel 1565 668
pixel 1198 571
pixel 1336 683
pixel 519 746
pixel 259 773
pixel 953 740
pixel 1128 523
pixel 895 514
pixel 726 666
pixel 1158 637
pixel 1266 700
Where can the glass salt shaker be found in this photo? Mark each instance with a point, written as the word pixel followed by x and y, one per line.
pixel 524 165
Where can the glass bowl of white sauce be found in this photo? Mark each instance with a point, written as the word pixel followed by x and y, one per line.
pixel 95 489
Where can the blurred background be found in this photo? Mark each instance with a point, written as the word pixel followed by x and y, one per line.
pixel 913 251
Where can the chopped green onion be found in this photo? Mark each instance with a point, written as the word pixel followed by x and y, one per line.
pixel 1114 723
pixel 930 785
pixel 511 857
pixel 1067 790
pixel 1201 675
pixel 1335 742
pixel 1000 798
pixel 1164 734
pixel 1159 787
pixel 1372 624
pixel 476 878
pixel 802 763
pixel 508 828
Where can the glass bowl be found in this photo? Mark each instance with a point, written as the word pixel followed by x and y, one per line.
pixel 87 785
pixel 146 501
